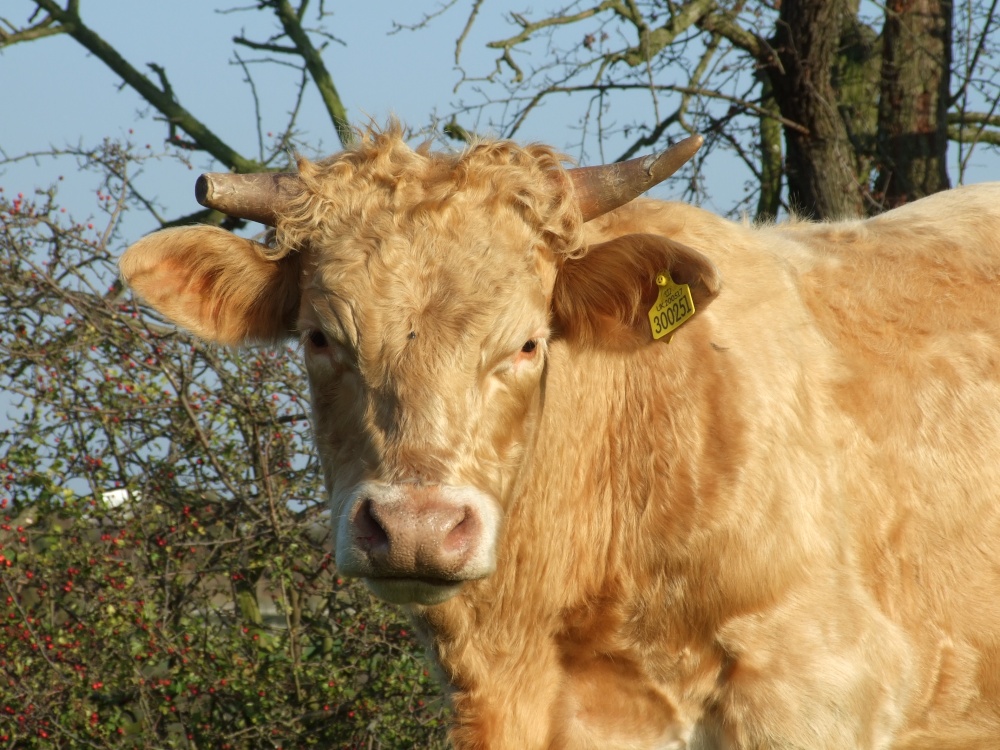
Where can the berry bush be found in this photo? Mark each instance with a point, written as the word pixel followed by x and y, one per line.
pixel 165 580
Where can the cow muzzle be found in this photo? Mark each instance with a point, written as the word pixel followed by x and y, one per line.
pixel 417 543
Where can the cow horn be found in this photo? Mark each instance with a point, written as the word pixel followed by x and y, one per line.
pixel 257 196
pixel 261 196
pixel 601 189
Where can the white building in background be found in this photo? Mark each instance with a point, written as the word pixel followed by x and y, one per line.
pixel 114 498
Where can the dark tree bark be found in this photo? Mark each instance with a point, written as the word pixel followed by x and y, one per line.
pixel 820 164
pixel 913 108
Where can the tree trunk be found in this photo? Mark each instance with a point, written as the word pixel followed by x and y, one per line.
pixel 820 164
pixel 857 79
pixel 769 201
pixel 913 127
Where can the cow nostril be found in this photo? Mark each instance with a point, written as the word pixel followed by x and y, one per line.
pixel 463 534
pixel 368 531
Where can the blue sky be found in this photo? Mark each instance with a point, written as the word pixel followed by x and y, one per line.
pixel 55 94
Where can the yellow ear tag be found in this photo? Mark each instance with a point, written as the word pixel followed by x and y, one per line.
pixel 672 307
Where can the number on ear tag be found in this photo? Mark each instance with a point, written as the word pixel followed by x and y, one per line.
pixel 672 307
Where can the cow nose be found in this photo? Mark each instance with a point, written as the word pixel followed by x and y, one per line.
pixel 371 537
pixel 420 535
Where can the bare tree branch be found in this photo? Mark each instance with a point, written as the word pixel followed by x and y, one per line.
pixel 70 21
pixel 291 22
pixel 468 27
pixel 726 25
pixel 971 118
pixel 38 31
pixel 529 28
pixel 963 134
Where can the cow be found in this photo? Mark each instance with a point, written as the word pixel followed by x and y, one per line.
pixel 775 526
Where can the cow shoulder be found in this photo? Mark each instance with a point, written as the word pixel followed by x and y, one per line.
pixel 603 298
pixel 222 287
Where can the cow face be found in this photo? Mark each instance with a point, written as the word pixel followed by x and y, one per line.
pixel 424 315
pixel 426 291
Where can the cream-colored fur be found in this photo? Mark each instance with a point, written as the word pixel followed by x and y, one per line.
pixel 780 530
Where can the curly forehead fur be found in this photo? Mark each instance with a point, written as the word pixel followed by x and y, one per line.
pixel 381 174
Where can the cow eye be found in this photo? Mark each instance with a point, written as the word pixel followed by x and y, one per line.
pixel 318 339
pixel 527 354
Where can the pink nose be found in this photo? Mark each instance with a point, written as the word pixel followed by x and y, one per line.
pixel 418 535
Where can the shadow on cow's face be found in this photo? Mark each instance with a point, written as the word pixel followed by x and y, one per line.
pixel 425 334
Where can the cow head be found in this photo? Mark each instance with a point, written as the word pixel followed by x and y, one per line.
pixel 425 290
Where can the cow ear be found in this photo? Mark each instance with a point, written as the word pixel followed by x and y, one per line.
pixel 219 286
pixel 603 298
